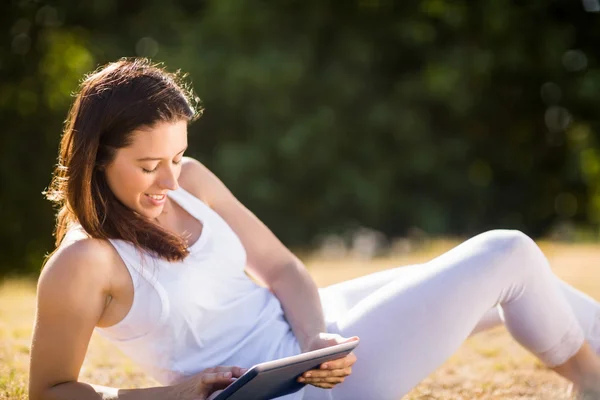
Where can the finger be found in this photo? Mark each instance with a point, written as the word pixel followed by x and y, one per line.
pixel 217 385
pixel 340 363
pixel 222 368
pixel 341 339
pixel 239 371
pixel 328 379
pixel 324 385
pixel 341 372
pixel 208 382
pixel 236 372
pixel 325 373
pixel 211 378
pixel 316 373
pixel 331 338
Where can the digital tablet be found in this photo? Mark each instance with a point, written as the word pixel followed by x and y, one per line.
pixel 279 377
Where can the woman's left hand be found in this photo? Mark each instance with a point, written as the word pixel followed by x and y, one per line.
pixel 332 372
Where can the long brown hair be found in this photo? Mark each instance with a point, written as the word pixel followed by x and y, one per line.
pixel 111 103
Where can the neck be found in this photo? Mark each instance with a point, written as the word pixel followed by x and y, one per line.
pixel 160 220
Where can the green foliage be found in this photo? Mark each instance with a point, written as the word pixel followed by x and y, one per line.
pixel 453 117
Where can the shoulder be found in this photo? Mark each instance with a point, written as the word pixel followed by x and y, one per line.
pixel 193 175
pixel 85 264
pixel 197 179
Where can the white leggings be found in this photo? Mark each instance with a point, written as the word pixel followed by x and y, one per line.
pixel 412 319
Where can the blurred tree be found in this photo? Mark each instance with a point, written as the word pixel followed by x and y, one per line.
pixel 453 117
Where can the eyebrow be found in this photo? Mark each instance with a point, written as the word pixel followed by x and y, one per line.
pixel 157 158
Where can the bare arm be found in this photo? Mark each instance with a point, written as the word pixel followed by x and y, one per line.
pixel 71 295
pixel 72 292
pixel 85 391
pixel 298 294
pixel 268 259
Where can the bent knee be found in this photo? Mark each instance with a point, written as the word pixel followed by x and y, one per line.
pixel 513 243
pixel 508 238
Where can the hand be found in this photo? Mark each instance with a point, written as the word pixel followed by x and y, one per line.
pixel 209 382
pixel 332 372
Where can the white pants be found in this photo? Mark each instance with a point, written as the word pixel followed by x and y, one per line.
pixel 412 319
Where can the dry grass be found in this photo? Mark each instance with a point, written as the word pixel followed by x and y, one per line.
pixel 488 366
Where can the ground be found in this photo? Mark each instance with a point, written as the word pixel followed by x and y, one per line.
pixel 490 365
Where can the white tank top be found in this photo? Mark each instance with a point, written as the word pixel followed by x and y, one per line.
pixel 201 312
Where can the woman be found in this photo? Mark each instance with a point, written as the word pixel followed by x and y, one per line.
pixel 155 253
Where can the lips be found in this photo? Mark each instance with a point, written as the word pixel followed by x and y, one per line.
pixel 156 200
pixel 157 197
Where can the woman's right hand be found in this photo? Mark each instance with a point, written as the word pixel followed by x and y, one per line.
pixel 207 382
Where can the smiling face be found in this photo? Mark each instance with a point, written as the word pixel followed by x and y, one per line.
pixel 142 173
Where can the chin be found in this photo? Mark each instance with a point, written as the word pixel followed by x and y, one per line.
pixel 152 214
pixel 147 212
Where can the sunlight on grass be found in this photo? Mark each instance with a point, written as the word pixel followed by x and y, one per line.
pixel 488 366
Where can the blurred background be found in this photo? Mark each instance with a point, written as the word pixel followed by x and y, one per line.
pixel 362 125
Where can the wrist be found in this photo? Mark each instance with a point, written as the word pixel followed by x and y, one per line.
pixel 308 342
pixel 183 390
pixel 160 392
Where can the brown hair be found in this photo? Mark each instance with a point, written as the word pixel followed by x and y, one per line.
pixel 111 103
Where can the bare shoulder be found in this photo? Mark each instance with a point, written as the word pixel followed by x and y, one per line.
pixel 71 298
pixel 85 263
pixel 197 179
pixel 193 175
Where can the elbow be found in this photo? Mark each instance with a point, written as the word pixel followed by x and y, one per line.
pixel 51 392
pixel 39 394
pixel 46 393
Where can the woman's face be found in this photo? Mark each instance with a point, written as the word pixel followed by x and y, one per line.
pixel 142 173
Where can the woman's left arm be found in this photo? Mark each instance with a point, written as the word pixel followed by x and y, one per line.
pixel 269 261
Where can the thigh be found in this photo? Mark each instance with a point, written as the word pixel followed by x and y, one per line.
pixel 341 297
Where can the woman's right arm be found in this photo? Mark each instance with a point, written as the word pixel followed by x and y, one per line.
pixel 71 296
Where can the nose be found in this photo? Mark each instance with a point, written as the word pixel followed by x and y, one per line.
pixel 168 179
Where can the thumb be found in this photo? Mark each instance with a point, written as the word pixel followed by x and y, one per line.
pixel 213 380
pixel 350 339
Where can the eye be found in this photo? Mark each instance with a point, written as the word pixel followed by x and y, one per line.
pixel 177 162
pixel 149 171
